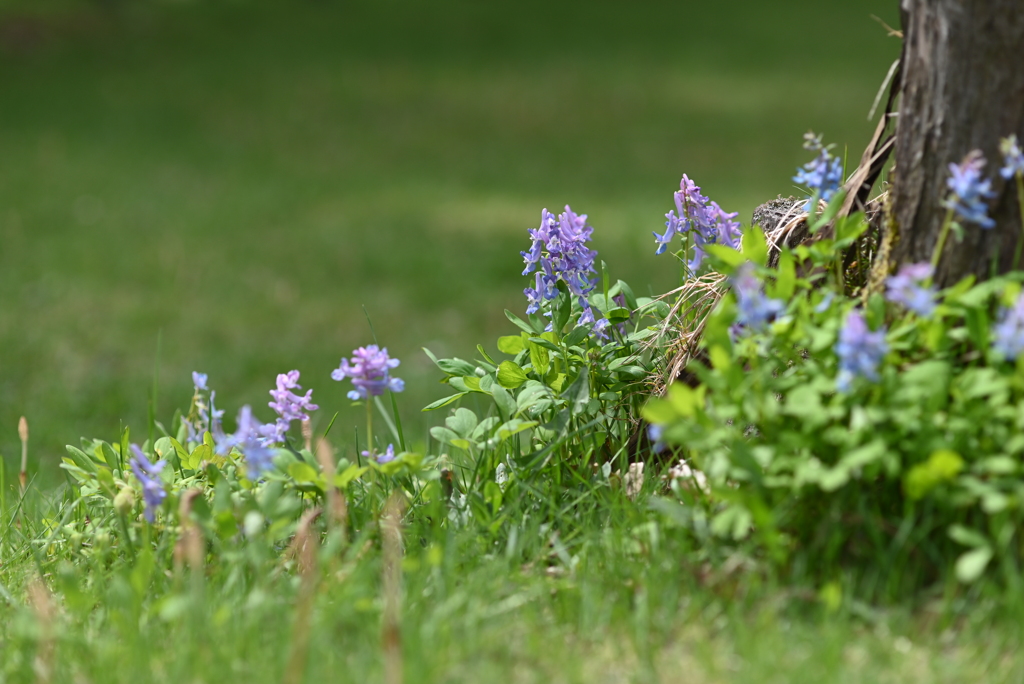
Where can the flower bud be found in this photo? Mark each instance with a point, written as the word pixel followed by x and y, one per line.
pixel 124 502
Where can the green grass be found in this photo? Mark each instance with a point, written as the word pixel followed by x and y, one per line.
pixel 240 182
pixel 612 596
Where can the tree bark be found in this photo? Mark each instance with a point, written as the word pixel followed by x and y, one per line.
pixel 962 89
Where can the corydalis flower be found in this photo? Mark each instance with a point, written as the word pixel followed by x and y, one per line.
pixel 969 190
pixel 908 288
pixel 251 438
pixel 701 217
pixel 288 405
pixel 1009 331
pixel 559 252
pixel 859 350
pixel 755 309
pixel 386 457
pixel 370 371
pixel 1013 156
pixel 823 174
pixel 148 475
pixel 206 417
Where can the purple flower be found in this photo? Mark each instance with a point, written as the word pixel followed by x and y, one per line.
pixel 288 405
pixel 754 308
pixel 251 438
pixel 655 434
pixel 381 459
pixel 559 252
pixel 206 417
pixel 148 475
pixel 908 288
pixel 1009 331
pixel 969 191
pixel 1013 156
pixel 370 371
pixel 703 218
pixel 859 351
pixel 823 174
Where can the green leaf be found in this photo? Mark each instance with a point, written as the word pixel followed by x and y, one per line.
pixel 850 227
pixel 561 311
pixel 180 450
pixel 462 422
pixel 754 246
pixel 513 427
pixel 967 536
pixel 686 400
pixel 830 212
pixel 458 367
pixel 539 357
pixel 353 472
pixel 444 402
pixel 576 336
pixel 972 564
pixel 510 375
pixel 578 393
pixel 504 401
pixel 142 572
pixel 201 453
pixel 304 473
pixel 511 344
pixel 785 282
pixel 81 459
pixel 618 314
pixel 520 323
pixel 727 255
pixel 487 357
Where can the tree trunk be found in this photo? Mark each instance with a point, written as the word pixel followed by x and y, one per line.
pixel 962 89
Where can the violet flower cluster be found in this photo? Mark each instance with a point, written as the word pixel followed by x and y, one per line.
pixel 251 437
pixel 823 174
pixel 370 371
pixel 859 350
pixel 559 252
pixel 700 217
pixel 1013 156
pixel 148 475
pixel 968 190
pixel 1008 332
pixel 288 405
pixel 755 309
pixel 911 288
pixel 207 417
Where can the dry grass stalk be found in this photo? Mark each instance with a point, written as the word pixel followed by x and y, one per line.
pixel 391 635
pixel 23 434
pixel 41 602
pixel 304 549
pixel 337 506
pixel 307 434
pixel 190 546
pixel 680 335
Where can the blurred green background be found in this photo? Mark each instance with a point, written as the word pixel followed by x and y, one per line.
pixel 239 179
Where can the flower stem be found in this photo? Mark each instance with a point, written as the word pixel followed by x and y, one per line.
pixel 1020 203
pixel 943 234
pixel 369 427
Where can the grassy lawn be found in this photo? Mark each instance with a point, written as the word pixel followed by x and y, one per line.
pixel 236 187
pixel 237 184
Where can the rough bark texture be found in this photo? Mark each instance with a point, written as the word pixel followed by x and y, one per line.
pixel 962 89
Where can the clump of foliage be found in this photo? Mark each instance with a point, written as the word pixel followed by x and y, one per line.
pixel 874 439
